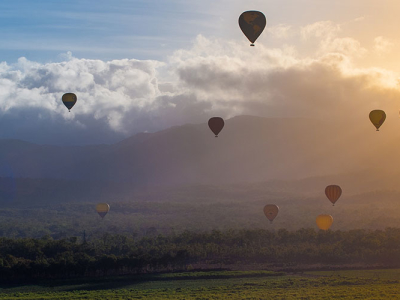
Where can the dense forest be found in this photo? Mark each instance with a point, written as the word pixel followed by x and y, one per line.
pixel 29 259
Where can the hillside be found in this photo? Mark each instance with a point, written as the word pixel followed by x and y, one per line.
pixel 249 149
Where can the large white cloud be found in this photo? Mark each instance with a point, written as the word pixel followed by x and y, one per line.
pixel 278 82
pixel 214 77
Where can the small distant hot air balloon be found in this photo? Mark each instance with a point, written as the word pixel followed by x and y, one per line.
pixel 324 222
pixel 333 192
pixel 102 209
pixel 271 211
pixel 377 118
pixel 216 124
pixel 252 23
pixel 69 100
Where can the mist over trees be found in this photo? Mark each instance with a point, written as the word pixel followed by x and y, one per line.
pixel 66 208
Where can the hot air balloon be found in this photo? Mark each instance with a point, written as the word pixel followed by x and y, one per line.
pixel 252 23
pixel 216 124
pixel 324 222
pixel 377 118
pixel 69 100
pixel 333 192
pixel 102 209
pixel 271 211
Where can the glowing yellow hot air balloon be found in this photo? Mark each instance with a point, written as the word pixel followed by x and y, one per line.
pixel 377 118
pixel 324 222
pixel 333 192
pixel 69 100
pixel 271 211
pixel 102 209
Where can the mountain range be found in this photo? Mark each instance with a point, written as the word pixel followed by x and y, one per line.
pixel 249 149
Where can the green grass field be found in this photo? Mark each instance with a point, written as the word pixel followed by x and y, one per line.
pixel 390 274
pixel 220 285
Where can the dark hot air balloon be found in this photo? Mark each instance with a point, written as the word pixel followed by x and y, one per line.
pixel 69 100
pixel 216 124
pixel 377 118
pixel 252 23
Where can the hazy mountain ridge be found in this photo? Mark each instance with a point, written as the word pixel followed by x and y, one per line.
pixel 249 149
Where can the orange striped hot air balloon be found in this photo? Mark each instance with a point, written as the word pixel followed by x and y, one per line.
pixel 333 192
pixel 271 211
pixel 324 222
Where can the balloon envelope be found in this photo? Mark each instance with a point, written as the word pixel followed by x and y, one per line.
pixel 271 211
pixel 377 118
pixel 102 209
pixel 216 124
pixel 333 192
pixel 69 100
pixel 252 23
pixel 324 222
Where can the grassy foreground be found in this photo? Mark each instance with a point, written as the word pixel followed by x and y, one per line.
pixel 369 284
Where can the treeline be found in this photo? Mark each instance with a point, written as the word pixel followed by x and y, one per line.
pixel 27 258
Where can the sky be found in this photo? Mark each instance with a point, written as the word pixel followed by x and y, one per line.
pixel 143 66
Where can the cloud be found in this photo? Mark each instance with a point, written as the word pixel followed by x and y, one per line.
pixel 280 31
pixel 322 29
pixel 326 34
pixel 276 82
pixel 105 90
pixel 383 45
pixel 115 99
pixel 348 46
pixel 119 98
